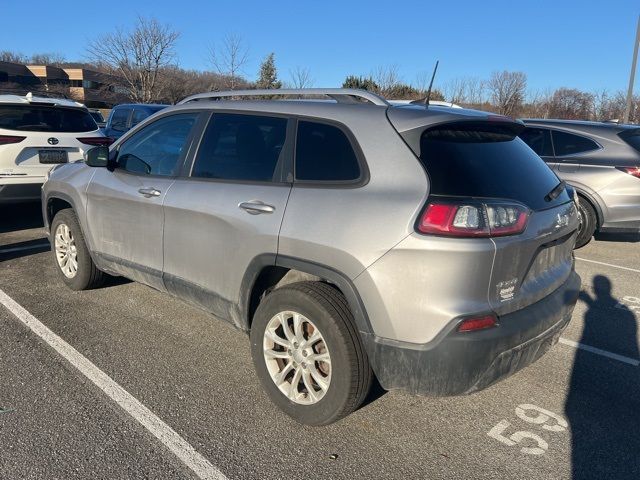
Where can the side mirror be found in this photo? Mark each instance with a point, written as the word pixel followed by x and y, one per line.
pixel 97 157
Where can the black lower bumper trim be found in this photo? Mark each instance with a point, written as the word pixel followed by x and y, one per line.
pixel 462 363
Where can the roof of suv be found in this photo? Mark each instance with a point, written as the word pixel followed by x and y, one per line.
pixel 581 125
pixel 31 99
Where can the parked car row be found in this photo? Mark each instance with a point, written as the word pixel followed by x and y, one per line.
pixel 429 247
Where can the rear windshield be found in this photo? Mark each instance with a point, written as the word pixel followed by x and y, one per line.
pixel 632 137
pixel 487 161
pixel 32 118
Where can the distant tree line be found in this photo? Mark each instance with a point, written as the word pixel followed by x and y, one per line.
pixel 143 59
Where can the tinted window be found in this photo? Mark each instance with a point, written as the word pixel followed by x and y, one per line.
pixel 240 147
pixel 97 116
pixel 486 161
pixel 158 147
pixel 119 119
pixel 632 137
pixel 138 116
pixel 539 140
pixel 32 118
pixel 324 153
pixel 569 144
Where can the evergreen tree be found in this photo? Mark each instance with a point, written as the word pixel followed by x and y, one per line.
pixel 268 77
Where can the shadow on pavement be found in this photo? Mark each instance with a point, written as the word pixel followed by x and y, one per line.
pixel 618 237
pixel 23 249
pixel 603 401
pixel 20 216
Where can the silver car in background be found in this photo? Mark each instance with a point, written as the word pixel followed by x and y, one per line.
pixel 429 247
pixel 602 162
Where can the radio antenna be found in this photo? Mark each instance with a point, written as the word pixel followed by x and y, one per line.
pixel 425 101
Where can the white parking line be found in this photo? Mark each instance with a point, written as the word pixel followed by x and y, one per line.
pixel 163 432
pixel 20 249
pixel 608 265
pixel 597 351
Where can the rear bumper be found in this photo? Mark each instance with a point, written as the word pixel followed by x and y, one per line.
pixel 459 363
pixel 20 192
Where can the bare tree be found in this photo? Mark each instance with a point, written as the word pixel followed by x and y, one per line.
pixel 301 77
pixel 13 57
pixel 507 91
pixel 572 104
pixel 386 78
pixel 138 56
pixel 229 58
pixel 55 59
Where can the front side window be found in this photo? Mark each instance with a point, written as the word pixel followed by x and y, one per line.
pixel 324 154
pixel 568 144
pixel 119 119
pixel 539 140
pixel 158 148
pixel 241 147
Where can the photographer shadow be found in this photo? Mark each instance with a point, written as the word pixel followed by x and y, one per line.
pixel 603 401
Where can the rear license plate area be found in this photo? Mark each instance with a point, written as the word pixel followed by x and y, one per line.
pixel 53 156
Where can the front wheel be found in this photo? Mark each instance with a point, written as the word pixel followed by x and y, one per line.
pixel 72 259
pixel 308 355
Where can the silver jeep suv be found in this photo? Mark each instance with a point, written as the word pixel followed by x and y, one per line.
pixel 427 246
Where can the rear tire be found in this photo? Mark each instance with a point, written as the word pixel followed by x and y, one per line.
pixel 70 253
pixel 588 222
pixel 344 375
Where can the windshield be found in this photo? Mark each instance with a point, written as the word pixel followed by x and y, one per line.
pixel 487 161
pixel 36 118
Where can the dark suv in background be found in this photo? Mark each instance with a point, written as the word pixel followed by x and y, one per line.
pixel 602 162
pixel 126 116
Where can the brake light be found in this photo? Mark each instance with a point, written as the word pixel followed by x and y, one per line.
pixel 97 141
pixel 7 139
pixel 461 219
pixel 478 323
pixel 633 171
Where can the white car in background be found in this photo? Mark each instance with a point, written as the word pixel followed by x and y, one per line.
pixel 37 133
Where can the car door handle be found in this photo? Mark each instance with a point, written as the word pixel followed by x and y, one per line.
pixel 149 192
pixel 256 207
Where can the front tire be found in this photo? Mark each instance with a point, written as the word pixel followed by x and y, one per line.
pixel 588 222
pixel 70 253
pixel 308 355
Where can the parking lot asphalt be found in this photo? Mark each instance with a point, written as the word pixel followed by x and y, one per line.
pixel 572 414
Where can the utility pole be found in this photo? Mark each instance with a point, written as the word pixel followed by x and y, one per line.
pixel 627 110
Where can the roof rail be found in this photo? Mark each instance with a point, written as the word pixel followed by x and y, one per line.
pixel 340 95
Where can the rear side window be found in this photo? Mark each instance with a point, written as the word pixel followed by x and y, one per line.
pixel 32 118
pixel 324 154
pixel 568 144
pixel 157 148
pixel 119 119
pixel 488 161
pixel 539 140
pixel 241 147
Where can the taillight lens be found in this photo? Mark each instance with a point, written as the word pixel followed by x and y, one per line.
pixel 478 323
pixel 7 139
pixel 97 141
pixel 633 171
pixel 461 219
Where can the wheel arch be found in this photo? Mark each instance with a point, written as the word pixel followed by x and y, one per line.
pixel 270 271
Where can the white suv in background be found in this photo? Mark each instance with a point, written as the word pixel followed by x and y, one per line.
pixel 37 133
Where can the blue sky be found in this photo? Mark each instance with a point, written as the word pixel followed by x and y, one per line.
pixel 584 44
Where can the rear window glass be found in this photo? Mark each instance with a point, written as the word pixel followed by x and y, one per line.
pixel 119 119
pixel 32 118
pixel 632 138
pixel 324 154
pixel 569 144
pixel 486 161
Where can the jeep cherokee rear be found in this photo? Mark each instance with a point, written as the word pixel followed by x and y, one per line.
pixel 430 247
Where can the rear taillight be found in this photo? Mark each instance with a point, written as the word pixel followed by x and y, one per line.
pixel 461 219
pixel 478 323
pixel 7 139
pixel 97 141
pixel 633 171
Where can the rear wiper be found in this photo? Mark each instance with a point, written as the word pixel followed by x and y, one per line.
pixel 557 190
